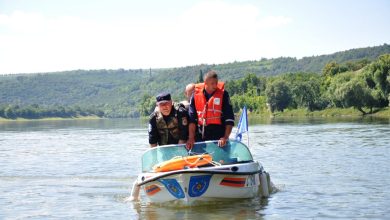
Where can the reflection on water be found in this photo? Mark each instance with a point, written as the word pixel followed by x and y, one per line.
pixel 72 124
pixel 228 209
pixel 323 168
pixel 318 120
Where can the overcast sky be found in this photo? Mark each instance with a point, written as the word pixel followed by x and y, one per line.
pixel 56 35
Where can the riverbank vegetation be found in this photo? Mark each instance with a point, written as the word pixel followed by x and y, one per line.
pixel 38 112
pixel 362 85
pixel 355 79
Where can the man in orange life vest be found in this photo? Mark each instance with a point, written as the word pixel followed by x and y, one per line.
pixel 210 111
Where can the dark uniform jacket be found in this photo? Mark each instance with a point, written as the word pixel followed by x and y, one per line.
pixel 178 113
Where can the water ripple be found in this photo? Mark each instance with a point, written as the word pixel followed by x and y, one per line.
pixel 321 169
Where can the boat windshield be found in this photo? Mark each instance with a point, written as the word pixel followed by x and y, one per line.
pixel 233 152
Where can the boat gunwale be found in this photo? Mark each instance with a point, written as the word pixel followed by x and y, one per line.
pixel 165 174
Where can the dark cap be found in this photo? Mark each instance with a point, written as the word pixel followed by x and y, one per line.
pixel 163 97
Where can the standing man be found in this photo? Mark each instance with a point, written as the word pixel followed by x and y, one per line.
pixel 168 124
pixel 210 112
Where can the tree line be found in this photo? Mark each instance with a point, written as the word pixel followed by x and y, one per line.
pixel 362 84
pixel 37 112
pixel 131 92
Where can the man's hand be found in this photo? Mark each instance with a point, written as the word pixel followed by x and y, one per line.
pixel 222 141
pixel 191 136
pixel 190 143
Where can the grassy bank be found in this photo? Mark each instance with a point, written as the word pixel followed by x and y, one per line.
pixel 331 112
pixel 49 119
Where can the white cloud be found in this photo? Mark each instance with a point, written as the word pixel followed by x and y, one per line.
pixel 208 32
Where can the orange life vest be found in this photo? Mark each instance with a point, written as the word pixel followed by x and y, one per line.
pixel 180 163
pixel 209 112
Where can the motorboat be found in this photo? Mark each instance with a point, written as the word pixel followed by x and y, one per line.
pixel 206 172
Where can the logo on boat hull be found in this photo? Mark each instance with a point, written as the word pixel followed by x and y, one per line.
pixel 152 189
pixel 198 185
pixel 173 187
pixel 233 182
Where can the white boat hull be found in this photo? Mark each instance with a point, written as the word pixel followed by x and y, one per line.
pixel 235 181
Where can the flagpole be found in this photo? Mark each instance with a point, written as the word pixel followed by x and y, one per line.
pixel 247 125
pixel 247 133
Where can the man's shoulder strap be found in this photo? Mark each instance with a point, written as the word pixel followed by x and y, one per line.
pixel 179 106
pixel 221 86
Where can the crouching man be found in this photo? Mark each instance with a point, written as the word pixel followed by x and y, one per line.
pixel 168 124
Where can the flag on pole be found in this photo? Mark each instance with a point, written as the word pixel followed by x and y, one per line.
pixel 242 125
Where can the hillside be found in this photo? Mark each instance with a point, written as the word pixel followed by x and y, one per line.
pixel 118 92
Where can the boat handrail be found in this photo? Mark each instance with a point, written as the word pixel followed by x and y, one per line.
pixel 235 151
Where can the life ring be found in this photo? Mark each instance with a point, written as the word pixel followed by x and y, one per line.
pixel 179 163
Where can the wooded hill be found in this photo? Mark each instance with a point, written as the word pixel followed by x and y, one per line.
pixel 130 93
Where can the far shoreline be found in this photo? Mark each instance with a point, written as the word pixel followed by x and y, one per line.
pixel 288 113
pixel 50 119
pixel 332 112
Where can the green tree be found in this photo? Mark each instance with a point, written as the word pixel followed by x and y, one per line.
pixel 381 74
pixel 2 112
pixel 253 103
pixel 357 65
pixel 355 94
pixel 333 68
pixel 351 90
pixel 306 94
pixel 148 103
pixel 9 112
pixel 278 95
pixel 305 90
pixel 200 78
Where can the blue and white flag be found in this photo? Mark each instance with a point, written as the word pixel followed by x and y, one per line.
pixel 242 124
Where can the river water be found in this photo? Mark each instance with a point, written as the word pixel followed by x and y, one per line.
pixel 322 169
